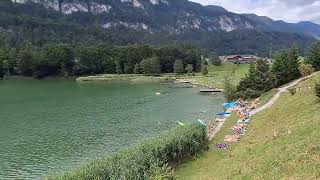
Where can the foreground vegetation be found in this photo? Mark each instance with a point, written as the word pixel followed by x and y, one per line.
pixel 152 159
pixel 281 143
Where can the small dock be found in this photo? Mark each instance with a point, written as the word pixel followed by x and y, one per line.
pixel 181 81
pixel 210 90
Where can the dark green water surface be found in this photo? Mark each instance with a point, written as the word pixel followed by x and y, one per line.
pixel 49 127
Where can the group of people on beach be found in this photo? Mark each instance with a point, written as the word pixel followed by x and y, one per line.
pixel 242 110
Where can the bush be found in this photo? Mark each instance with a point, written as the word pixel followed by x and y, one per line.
pixel 292 91
pixel 216 61
pixel 317 89
pixel 150 160
pixel 178 67
pixel 204 70
pixel 230 90
pixel 306 69
pixel 189 69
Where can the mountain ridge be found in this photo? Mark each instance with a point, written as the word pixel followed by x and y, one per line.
pixel 172 21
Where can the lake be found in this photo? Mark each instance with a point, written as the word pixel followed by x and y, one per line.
pixel 53 126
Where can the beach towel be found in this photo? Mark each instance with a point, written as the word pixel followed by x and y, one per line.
pixel 232 138
pixel 222 146
pixel 229 105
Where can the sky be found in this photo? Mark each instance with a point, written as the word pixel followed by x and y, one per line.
pixel 287 10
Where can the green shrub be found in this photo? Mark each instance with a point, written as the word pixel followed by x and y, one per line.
pixel 230 90
pixel 306 69
pixel 317 89
pixel 150 160
pixel 292 91
pixel 204 70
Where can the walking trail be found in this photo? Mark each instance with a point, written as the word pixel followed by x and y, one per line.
pixel 269 103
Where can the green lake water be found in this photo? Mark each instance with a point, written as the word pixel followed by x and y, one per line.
pixel 50 127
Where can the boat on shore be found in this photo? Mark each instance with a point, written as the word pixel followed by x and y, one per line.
pixel 210 90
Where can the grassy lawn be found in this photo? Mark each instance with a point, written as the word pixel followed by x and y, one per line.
pixel 215 77
pixel 281 143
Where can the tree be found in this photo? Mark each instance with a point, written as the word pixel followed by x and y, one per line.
pixel 258 80
pixel 286 66
pixel 178 67
pixel 215 60
pixel 6 67
pixel 150 66
pixel 293 63
pixel 230 90
pixel 189 69
pixel 264 80
pixel 60 58
pixel 314 55
pixel 118 67
pixel 279 68
pixel 25 62
pixel 306 69
pixel 137 69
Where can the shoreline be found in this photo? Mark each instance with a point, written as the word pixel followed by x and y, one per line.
pixel 146 79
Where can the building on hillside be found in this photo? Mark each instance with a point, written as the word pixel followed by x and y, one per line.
pixel 239 59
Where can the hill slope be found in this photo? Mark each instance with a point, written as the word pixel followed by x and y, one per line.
pixel 281 142
pixel 144 21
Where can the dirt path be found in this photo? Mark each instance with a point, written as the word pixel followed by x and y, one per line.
pixel 280 91
pixel 269 103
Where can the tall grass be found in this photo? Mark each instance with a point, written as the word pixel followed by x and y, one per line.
pixel 150 159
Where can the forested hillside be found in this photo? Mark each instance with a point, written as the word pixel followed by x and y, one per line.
pixel 73 60
pixel 211 28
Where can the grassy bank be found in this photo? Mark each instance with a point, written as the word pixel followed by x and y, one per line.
pixel 127 77
pixel 281 143
pixel 217 74
pixel 214 78
pixel 152 159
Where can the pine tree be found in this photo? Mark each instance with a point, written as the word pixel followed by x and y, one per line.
pixel 314 55
pixel 293 63
pixel 257 81
pixel 279 68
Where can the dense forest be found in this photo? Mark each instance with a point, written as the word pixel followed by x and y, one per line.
pixel 72 60
pixel 38 25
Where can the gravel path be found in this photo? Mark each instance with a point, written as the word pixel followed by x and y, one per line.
pixel 280 91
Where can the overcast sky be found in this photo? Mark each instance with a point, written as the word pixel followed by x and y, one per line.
pixel 287 10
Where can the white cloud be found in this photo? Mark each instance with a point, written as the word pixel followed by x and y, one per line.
pixel 287 10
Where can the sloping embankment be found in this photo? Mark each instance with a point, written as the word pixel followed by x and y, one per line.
pixel 282 142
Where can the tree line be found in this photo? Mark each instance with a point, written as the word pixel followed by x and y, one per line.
pixel 73 60
pixel 263 76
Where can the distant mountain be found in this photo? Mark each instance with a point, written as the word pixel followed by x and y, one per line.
pixel 304 27
pixel 211 28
